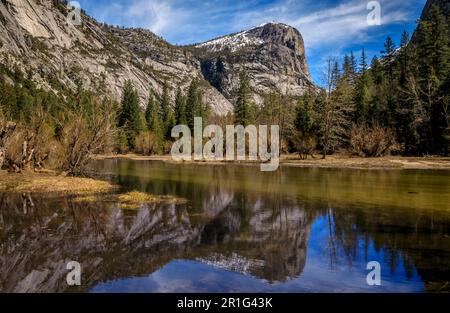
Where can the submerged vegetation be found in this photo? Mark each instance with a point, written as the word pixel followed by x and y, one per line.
pixel 134 199
pixel 131 200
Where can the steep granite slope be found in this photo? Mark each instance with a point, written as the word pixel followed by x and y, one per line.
pixel 273 53
pixel 36 37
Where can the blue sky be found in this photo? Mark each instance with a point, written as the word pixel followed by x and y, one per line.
pixel 329 28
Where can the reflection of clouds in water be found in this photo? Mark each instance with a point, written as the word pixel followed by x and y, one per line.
pixel 317 276
pixel 343 277
pixel 252 239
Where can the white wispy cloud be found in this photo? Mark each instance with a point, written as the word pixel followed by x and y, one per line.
pixel 189 19
pixel 157 15
pixel 328 27
pixel 339 23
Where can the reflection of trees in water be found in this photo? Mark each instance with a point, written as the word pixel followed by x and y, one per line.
pixel 36 245
pixel 417 238
pixel 245 225
pixel 39 236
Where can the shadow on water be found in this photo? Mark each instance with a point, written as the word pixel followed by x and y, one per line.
pixel 242 230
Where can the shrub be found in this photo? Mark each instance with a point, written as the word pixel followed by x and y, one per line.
pixel 147 144
pixel 84 135
pixel 29 145
pixel 305 145
pixel 373 141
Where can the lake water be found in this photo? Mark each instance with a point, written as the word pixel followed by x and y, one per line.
pixel 242 230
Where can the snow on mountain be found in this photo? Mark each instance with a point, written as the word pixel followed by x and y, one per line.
pixel 233 42
pixel 237 41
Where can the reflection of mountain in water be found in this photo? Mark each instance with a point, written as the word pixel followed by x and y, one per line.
pixel 237 219
pixel 270 238
pixel 39 236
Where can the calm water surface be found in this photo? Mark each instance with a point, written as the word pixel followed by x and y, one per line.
pixel 294 230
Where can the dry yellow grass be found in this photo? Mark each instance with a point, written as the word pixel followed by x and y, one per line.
pixel 134 199
pixel 51 183
pixel 130 200
pixel 86 199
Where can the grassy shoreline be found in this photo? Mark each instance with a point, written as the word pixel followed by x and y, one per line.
pixel 83 190
pixel 51 182
pixel 336 161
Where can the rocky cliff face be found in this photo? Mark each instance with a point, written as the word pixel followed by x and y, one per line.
pixel 37 37
pixel 273 53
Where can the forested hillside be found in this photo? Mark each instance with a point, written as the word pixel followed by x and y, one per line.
pixel 397 103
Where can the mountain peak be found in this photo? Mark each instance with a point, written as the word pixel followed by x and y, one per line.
pixel 37 38
pixel 274 23
pixel 273 53
pixel 264 33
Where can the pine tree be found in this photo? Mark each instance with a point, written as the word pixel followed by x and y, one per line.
pixel 410 109
pixel 169 124
pixel 405 38
pixel 193 102
pixel 389 47
pixel 243 109
pixel 347 67
pixel 343 98
pixel 150 110
pixel 434 67
pixel 353 62
pixel 305 126
pixel 405 57
pixel 130 116
pixel 166 114
pixel 7 98
pixel 363 66
pixel 335 76
pixel 271 109
pixel 363 95
pixel 164 107
pixel 376 71
pixel 153 121
pixel 440 54
pixel 180 108
pixel 335 109
pixel 353 68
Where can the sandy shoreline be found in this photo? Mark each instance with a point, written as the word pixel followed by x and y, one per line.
pixel 338 161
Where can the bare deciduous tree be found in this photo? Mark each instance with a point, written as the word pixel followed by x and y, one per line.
pixel 84 136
